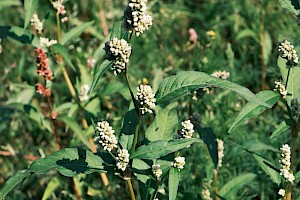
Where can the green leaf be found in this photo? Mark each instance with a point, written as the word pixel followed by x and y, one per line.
pixel 71 123
pixel 164 124
pixel 247 33
pixel 64 53
pixel 231 187
pixel 161 148
pixel 128 129
pixel 256 145
pixel 75 32
pixel 283 127
pixel 296 4
pixel 267 47
pixel 186 82
pixel 174 178
pixel 288 5
pixel 30 7
pixel 210 139
pixel 8 3
pixel 13 182
pixel 18 34
pixel 119 31
pixel 99 71
pixel 252 109
pixel 69 162
pixel 51 187
pixel 297 176
pixel 268 168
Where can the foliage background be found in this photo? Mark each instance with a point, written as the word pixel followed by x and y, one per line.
pixel 160 52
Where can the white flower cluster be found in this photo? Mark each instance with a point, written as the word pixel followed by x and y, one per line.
pixel 206 194
pixel 121 50
pixel 187 130
pixel 83 92
pixel 281 192
pixel 179 162
pixel 58 5
pixel 285 162
pixel 280 88
pixel 106 136
pixel 221 74
pixel 36 23
pixel 220 152
pixel 139 20
pixel 288 52
pixel 46 42
pixel 157 170
pixel 146 98
pixel 123 159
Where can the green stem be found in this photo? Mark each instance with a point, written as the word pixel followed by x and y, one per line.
pixel 136 134
pixel 58 27
pixel 287 79
pixel 136 106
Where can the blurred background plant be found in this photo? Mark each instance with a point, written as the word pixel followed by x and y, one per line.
pixel 240 37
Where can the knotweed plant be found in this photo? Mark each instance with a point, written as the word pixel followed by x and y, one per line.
pixel 143 137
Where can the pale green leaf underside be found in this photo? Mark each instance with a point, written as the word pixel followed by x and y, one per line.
pixel 184 83
pixel 75 32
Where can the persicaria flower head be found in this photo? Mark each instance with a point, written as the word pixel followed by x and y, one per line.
pixel 211 34
pixel 179 162
pixel 187 130
pixel 58 5
pixel 281 89
pixel 221 74
pixel 53 115
pixel 46 42
pixel 146 98
pixel 65 19
pixel 281 192
pixel 83 92
pixel 42 90
pixel 91 62
pixel 119 51
pixel 123 159
pixel 157 171
pixel 288 52
pixel 193 35
pixel 206 194
pixel 220 151
pixel 136 17
pixel 36 23
pixel 42 63
pixel 285 162
pixel 106 136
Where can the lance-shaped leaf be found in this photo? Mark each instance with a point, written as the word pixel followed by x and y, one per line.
pixel 30 6
pixel 210 139
pixel 99 71
pixel 231 187
pixel 184 83
pixel 164 124
pixel 268 168
pixel 128 129
pixel 252 109
pixel 161 148
pixel 174 178
pixel 69 162
pixel 75 32
pixel 282 127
